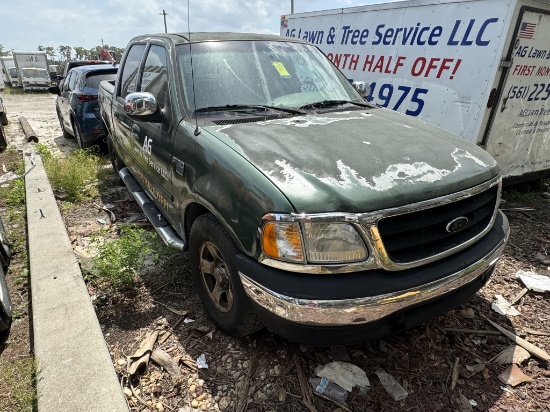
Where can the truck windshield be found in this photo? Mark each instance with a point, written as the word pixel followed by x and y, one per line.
pixel 268 73
pixel 13 72
pixel 34 72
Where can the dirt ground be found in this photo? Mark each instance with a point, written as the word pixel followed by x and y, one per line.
pixel 259 373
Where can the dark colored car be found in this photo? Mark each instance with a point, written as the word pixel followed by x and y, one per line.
pixel 77 105
pixel 5 302
pixel 78 63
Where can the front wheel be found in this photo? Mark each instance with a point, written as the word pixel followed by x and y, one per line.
pixel 212 258
pixel 3 141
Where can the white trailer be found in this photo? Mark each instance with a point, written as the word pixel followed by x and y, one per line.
pixel 478 68
pixel 33 70
pixel 9 72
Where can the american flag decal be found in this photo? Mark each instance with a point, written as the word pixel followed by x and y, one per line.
pixel 527 30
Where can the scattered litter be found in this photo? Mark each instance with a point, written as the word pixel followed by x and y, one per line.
pixel 198 331
pixel 512 354
pixel 505 389
pixel 201 362
pixel 468 313
pixel 473 403
pixel 475 368
pixel 533 349
pixel 188 320
pixel 210 335
pixel 8 177
pixel 329 389
pixel 396 391
pixel 533 281
pixel 345 375
pixel 102 221
pixel 503 307
pixel 462 404
pixel 513 376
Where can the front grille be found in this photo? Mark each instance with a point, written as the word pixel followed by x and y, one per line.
pixel 419 235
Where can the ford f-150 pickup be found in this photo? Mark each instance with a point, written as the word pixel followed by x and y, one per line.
pixel 302 207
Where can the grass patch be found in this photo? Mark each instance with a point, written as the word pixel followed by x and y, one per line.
pixel 74 178
pixel 18 381
pixel 13 90
pixel 120 261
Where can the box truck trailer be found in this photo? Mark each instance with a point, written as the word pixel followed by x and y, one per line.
pixel 478 68
pixel 33 70
pixel 9 72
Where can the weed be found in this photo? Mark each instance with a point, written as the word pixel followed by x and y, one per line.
pixel 528 195
pixel 18 380
pixel 119 261
pixel 74 178
pixel 22 277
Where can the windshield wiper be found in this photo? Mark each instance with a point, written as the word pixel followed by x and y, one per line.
pixel 332 103
pixel 238 107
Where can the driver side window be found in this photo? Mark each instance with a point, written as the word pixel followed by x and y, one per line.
pixel 155 75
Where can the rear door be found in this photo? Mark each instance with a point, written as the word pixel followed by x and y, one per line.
pixel 519 134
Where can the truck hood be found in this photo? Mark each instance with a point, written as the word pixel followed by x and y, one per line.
pixel 359 160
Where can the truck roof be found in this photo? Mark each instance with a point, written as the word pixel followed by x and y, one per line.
pixel 179 38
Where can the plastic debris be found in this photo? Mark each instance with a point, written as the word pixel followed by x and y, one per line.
pixel 188 320
pixel 513 376
pixel 345 375
pixel 533 281
pixel 512 354
pixel 473 403
pixel 503 307
pixel 329 389
pixel 8 177
pixel 201 362
pixel 396 391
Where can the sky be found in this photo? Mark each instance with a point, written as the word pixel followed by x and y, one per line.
pixel 26 24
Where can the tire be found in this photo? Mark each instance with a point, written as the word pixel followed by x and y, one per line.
pixel 5 309
pixel 4 119
pixel 212 258
pixel 116 161
pixel 78 136
pixel 5 253
pixel 66 134
pixel 3 141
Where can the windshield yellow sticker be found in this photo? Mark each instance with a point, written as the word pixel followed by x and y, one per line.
pixel 283 72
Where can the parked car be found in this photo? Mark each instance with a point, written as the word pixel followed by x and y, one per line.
pixel 5 302
pixel 78 63
pixel 77 105
pixel 3 122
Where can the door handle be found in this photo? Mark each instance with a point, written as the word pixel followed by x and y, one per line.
pixel 135 130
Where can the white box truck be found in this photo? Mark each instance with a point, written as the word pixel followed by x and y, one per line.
pixel 33 70
pixel 478 68
pixel 9 72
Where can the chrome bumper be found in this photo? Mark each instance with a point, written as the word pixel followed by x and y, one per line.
pixel 364 310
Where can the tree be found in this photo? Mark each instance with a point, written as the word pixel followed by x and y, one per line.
pixel 80 52
pixel 65 52
pixel 40 48
pixel 50 52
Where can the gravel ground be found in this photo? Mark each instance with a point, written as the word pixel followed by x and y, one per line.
pixel 260 372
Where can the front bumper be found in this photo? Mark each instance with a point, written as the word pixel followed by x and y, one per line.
pixel 357 299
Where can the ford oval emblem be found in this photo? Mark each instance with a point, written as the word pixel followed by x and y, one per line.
pixel 456 225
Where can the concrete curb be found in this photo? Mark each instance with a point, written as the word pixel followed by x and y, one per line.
pixel 74 369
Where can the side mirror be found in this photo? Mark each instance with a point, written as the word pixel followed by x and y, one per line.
pixel 142 106
pixel 54 90
pixel 362 88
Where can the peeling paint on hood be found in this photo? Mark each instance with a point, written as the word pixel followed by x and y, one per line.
pixel 358 161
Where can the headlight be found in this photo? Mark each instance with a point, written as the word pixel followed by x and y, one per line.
pixel 324 242
pixel 333 242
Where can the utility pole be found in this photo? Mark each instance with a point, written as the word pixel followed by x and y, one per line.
pixel 291 6
pixel 164 14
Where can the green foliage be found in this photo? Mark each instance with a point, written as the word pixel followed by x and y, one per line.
pixel 15 195
pixel 18 379
pixel 119 261
pixel 74 178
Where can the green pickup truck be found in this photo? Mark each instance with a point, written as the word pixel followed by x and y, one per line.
pixel 302 207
